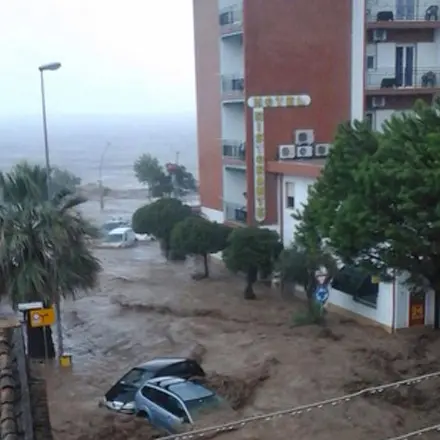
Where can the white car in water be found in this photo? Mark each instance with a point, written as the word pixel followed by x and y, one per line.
pixel 122 237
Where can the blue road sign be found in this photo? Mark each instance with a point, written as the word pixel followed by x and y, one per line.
pixel 322 294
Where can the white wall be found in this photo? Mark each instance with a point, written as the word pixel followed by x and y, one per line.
pixel 213 215
pixel 383 313
pixel 231 56
pixel 227 3
pixel 234 185
pixel 233 122
pixel 301 186
pixel 357 59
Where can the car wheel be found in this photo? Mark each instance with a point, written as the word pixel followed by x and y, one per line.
pixel 143 415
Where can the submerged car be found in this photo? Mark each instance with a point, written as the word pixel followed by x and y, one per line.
pixel 174 404
pixel 121 395
pixel 120 238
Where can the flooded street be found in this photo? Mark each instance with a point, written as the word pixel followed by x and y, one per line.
pixel 145 307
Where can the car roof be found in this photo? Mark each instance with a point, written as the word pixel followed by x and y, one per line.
pixel 186 389
pixel 161 362
pixel 118 231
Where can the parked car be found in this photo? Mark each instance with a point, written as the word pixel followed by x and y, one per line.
pixel 112 224
pixel 173 403
pixel 121 395
pixel 120 238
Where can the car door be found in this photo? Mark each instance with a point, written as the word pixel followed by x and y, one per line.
pixel 164 411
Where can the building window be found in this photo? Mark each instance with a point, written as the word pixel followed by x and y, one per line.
pixel 290 195
pixel 357 283
pixel 371 62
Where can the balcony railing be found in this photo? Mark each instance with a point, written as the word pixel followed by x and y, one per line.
pixel 234 149
pixel 403 10
pixel 234 212
pixel 233 87
pixel 231 20
pixel 389 78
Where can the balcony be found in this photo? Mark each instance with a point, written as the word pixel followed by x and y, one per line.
pixel 231 21
pixel 235 213
pixel 403 14
pixel 232 89
pixel 234 153
pixel 386 81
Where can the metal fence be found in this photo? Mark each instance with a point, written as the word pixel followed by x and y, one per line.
pixel 389 77
pixel 234 149
pixel 235 212
pixel 233 85
pixel 403 10
pixel 231 19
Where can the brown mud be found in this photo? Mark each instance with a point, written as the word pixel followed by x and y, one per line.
pixel 145 307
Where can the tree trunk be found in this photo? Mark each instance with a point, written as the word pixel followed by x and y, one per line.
pixel 206 265
pixel 251 277
pixel 40 342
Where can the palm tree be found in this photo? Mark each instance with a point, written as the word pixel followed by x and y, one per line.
pixel 44 246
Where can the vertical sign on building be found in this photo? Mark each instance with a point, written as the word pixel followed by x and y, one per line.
pixel 259 165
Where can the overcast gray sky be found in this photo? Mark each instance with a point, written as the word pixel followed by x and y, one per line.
pixel 118 56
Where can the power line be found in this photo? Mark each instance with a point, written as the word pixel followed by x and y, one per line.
pixel 198 433
pixel 416 433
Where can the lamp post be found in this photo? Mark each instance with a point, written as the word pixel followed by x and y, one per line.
pixel 100 183
pixel 42 69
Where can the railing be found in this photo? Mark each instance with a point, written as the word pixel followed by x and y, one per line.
pixel 234 149
pixel 403 10
pixel 389 78
pixel 235 212
pixel 231 19
pixel 233 86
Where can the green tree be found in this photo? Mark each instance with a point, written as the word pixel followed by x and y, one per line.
pixel 150 172
pixel 184 181
pixel 376 203
pixel 63 179
pixel 198 236
pixel 44 253
pixel 299 266
pixel 159 218
pixel 251 250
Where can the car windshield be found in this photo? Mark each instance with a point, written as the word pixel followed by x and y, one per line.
pixel 136 377
pixel 198 399
pixel 114 238
pixel 111 225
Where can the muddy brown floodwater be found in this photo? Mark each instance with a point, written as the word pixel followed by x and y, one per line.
pixel 146 307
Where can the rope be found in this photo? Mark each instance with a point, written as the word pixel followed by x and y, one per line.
pixel 416 433
pixel 303 408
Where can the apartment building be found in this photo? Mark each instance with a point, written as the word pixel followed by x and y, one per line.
pixel 276 77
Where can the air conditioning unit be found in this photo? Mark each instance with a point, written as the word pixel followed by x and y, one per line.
pixel 304 137
pixel 287 152
pixel 322 150
pixel 379 35
pixel 378 101
pixel 303 152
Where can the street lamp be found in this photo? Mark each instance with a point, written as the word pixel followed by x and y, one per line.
pixel 100 183
pixel 42 69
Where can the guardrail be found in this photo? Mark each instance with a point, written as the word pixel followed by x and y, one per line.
pixel 234 149
pixel 388 78
pixel 403 10
pixel 235 212
pixel 231 20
